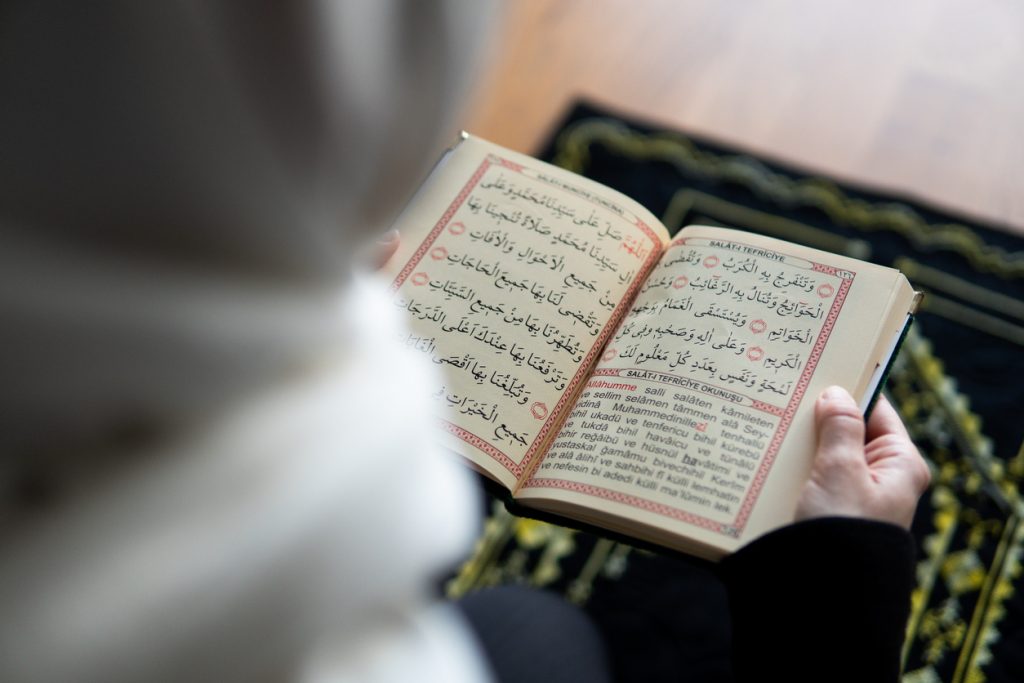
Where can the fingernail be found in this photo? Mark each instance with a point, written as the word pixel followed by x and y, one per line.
pixel 388 237
pixel 832 394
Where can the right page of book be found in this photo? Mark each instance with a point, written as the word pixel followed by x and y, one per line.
pixel 696 429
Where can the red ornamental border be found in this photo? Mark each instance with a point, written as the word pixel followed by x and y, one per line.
pixel 801 388
pixel 485 446
pixel 767 407
pixel 509 164
pixel 626 499
pixel 472 439
pixel 449 213
pixel 747 506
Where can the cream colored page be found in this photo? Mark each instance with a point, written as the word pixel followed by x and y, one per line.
pixel 510 271
pixel 699 392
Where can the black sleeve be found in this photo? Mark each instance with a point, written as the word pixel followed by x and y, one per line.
pixel 821 600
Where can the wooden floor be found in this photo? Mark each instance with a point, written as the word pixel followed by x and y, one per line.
pixel 922 96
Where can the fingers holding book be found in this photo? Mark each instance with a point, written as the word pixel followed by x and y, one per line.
pixel 871 470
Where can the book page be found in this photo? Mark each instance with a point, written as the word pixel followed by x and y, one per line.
pixel 513 274
pixel 701 388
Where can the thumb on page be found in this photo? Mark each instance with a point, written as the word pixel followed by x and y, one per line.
pixel 839 482
pixel 840 431
pixel 881 479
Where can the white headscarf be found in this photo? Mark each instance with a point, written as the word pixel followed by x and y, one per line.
pixel 213 463
pixel 183 183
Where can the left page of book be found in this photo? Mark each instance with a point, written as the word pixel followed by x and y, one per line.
pixel 513 273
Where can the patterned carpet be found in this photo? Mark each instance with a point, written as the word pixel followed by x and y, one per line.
pixel 958 383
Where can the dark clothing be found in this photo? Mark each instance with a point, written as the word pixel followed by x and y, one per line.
pixel 534 636
pixel 820 600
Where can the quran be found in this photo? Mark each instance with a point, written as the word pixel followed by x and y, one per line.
pixel 598 369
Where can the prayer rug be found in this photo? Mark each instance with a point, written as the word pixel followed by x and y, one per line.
pixel 958 382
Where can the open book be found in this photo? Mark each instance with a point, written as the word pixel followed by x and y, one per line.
pixel 601 370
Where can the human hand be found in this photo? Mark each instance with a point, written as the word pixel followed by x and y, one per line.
pixel 880 479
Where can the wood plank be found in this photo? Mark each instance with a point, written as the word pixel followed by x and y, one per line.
pixel 921 96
